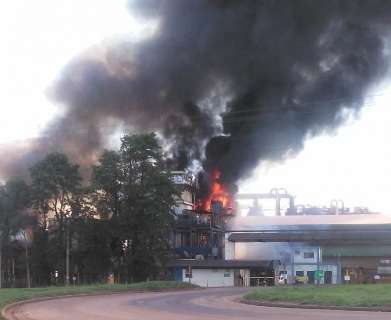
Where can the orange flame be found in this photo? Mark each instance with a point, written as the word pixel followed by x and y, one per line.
pixel 218 193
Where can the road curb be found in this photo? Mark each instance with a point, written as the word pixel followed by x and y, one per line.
pixel 311 306
pixel 5 312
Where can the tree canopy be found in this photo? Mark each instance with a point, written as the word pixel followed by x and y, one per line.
pixel 135 188
pixel 118 221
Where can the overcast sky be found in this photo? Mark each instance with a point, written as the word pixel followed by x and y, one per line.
pixel 353 165
pixel 39 37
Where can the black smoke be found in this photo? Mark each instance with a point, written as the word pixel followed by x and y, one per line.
pixel 226 82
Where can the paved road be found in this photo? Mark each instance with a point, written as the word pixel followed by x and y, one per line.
pixel 186 305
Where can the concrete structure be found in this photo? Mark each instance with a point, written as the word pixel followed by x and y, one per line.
pixel 210 277
pixel 308 245
pixel 316 249
pixel 217 273
pixel 322 249
pixel 198 233
pixel 187 181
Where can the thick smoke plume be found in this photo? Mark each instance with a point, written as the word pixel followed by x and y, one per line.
pixel 228 83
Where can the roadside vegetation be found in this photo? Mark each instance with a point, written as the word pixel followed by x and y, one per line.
pixel 8 296
pixel 116 222
pixel 365 295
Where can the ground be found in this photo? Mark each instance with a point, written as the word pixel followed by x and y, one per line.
pixel 347 295
pixel 8 296
pixel 208 304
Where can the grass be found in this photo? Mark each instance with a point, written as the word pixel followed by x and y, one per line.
pixel 366 295
pixel 8 296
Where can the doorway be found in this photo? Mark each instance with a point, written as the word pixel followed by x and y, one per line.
pixel 328 277
pixel 261 277
pixel 311 277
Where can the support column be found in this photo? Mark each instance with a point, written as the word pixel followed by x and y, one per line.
pixel 229 248
pixel 339 269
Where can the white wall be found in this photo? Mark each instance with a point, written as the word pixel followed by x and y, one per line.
pixel 229 248
pixel 299 251
pixel 211 277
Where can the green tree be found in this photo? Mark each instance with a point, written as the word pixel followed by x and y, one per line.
pixel 137 192
pixel 42 262
pixel 14 202
pixel 92 255
pixel 56 183
pixel 106 183
pixel 57 192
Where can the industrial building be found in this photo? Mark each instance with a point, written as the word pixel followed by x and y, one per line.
pixel 325 249
pixel 294 246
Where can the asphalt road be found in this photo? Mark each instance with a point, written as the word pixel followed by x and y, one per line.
pixel 185 305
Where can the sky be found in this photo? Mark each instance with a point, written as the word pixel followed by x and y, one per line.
pixel 39 37
pixel 352 165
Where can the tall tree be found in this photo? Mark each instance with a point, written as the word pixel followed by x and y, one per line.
pixel 106 183
pixel 56 185
pixel 136 188
pixel 14 202
pixel 92 255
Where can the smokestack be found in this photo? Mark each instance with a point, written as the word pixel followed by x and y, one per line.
pixel 225 83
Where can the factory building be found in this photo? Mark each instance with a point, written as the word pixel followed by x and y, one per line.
pixel 198 233
pixel 297 245
pixel 324 249
pixel 297 250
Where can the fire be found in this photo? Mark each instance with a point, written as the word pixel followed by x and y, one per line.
pixel 218 193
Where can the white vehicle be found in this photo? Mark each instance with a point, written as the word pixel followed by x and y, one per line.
pixel 283 278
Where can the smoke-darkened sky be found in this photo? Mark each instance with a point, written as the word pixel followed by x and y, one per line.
pixel 227 83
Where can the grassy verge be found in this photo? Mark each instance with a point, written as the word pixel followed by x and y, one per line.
pixel 340 296
pixel 8 296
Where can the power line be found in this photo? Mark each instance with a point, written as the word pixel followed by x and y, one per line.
pixel 296 107
pixel 248 115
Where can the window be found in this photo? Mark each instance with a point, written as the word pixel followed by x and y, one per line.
pixel 309 255
pixel 297 252
pixel 300 273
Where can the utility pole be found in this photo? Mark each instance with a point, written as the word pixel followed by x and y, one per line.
pixel 26 255
pixel 67 240
pixel 27 265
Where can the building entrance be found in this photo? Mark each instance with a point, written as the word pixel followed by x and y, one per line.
pixel 262 277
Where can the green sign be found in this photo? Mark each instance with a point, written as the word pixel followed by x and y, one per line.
pixel 318 274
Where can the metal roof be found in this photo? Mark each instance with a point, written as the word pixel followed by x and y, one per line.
pixel 366 228
pixel 252 223
pixel 314 236
pixel 220 264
